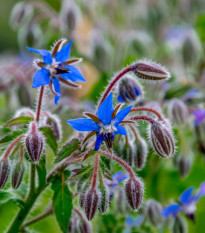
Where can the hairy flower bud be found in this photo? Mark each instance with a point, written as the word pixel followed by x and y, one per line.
pixel 17 174
pixel 84 227
pixel 104 198
pixel 134 192
pixel 140 153
pixel 91 203
pixel 154 210
pixel 54 123
pixel 184 165
pixel 162 139
pixel 34 142
pixel 149 70
pixel 178 112
pixel 179 225
pixel 129 90
pixel 4 171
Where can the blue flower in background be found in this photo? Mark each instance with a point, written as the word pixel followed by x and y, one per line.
pixel 199 115
pixel 133 222
pixel 105 125
pixel 187 203
pixel 118 177
pixel 55 68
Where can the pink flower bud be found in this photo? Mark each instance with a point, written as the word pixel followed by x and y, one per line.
pixel 154 210
pixel 134 192
pixel 162 139
pixel 149 70
pixel 34 143
pixel 17 174
pixel 4 171
pixel 91 203
pixel 178 112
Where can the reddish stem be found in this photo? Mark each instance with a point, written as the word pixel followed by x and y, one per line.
pixel 112 84
pixel 145 118
pixel 79 214
pixel 8 151
pixel 122 162
pixel 95 172
pixel 134 132
pixel 149 110
pixel 40 98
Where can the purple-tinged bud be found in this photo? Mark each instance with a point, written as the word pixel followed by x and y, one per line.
pixel 140 153
pixel 149 70
pixel 104 198
pixel 154 210
pixel 91 203
pixel 134 192
pixel 184 166
pixel 129 90
pixel 4 171
pixel 17 174
pixel 84 227
pixel 82 199
pixel 178 112
pixel 55 124
pixel 73 225
pixel 162 139
pixel 179 225
pixel 34 142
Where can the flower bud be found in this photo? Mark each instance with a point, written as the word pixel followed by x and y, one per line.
pixel 179 225
pixel 149 70
pixel 34 142
pixel 162 140
pixel 104 198
pixel 54 123
pixel 91 203
pixel 154 210
pixel 178 112
pixel 17 174
pixel 140 153
pixel 129 90
pixel 4 171
pixel 184 165
pixel 73 225
pixel 84 227
pixel 134 192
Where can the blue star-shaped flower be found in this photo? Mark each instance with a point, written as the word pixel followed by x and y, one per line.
pixel 55 68
pixel 105 125
pixel 187 203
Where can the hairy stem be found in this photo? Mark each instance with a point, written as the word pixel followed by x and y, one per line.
pixel 144 118
pixel 95 172
pixel 148 110
pixel 122 162
pixel 39 105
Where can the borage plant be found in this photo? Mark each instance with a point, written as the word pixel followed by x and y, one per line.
pixel 83 166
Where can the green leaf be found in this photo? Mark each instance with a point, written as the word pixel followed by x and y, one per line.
pixel 68 149
pixel 50 138
pixel 62 202
pixel 4 196
pixel 18 121
pixel 12 135
pixel 41 170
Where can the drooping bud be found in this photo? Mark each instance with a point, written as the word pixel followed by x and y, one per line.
pixel 129 90
pixel 134 192
pixel 179 225
pixel 54 123
pixel 104 198
pixel 34 142
pixel 18 174
pixel 162 139
pixel 84 226
pixel 178 112
pixel 4 171
pixel 91 203
pixel 149 70
pixel 140 153
pixel 184 165
pixel 154 210
pixel 73 225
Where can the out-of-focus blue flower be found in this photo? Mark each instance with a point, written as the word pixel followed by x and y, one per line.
pixel 105 125
pixel 55 68
pixel 191 94
pixel 118 177
pixel 133 222
pixel 199 115
pixel 187 203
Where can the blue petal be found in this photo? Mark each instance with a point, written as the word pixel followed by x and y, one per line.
pixel 137 91
pixel 121 115
pixel 98 142
pixel 64 53
pixel 117 174
pixel 120 130
pixel 56 84
pixel 201 191
pixel 186 197
pixel 171 210
pixel 129 221
pixel 74 75
pixel 41 78
pixel 47 58
pixel 105 110
pixel 120 99
pixel 83 124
